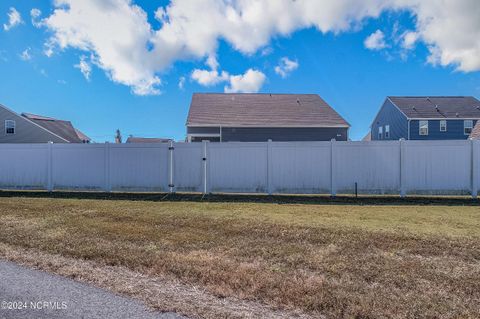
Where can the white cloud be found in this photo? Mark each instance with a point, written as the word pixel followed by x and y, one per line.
pixel 124 44
pixel 14 19
pixel 286 66
pixel 85 67
pixel 451 29
pixel 266 51
pixel 117 33
pixel 250 82
pixel 409 39
pixel 49 49
pixel 209 78
pixel 25 55
pixel 181 83
pixel 34 15
pixel 212 62
pixel 375 41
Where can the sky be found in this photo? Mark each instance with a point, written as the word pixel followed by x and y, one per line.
pixel 133 65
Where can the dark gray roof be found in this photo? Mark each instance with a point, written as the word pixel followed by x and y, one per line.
pixel 84 138
pixel 475 132
pixel 64 129
pixel 261 110
pixel 438 106
pixel 133 139
pixel 368 137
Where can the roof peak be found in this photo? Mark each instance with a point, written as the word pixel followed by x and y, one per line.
pixel 38 117
pixel 220 93
pixel 428 96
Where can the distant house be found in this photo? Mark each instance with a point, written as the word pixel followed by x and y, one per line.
pixel 260 117
pixel 427 118
pixel 368 137
pixel 133 139
pixel 31 128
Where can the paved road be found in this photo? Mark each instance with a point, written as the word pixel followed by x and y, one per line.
pixel 65 298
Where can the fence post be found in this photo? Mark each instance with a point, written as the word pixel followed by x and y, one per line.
pixel 205 171
pixel 333 186
pixel 269 167
pixel 171 184
pixel 403 184
pixel 107 186
pixel 474 168
pixel 50 166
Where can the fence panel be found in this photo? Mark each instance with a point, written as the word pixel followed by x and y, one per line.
pixel 78 166
pixel 188 167
pixel 374 166
pixel 476 159
pixel 300 167
pixel 237 167
pixel 23 166
pixel 423 167
pixel 438 167
pixel 138 167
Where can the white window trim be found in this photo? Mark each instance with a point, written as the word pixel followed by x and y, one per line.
pixel 420 128
pixel 387 131
pixel 206 135
pixel 465 127
pixel 444 121
pixel 10 126
pixel 380 132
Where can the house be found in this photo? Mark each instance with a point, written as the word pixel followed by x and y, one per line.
pixel 427 118
pixel 245 117
pixel 367 138
pixel 31 128
pixel 133 139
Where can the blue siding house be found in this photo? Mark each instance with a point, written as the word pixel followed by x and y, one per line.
pixel 427 118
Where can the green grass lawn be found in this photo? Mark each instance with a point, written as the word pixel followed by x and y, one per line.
pixel 337 260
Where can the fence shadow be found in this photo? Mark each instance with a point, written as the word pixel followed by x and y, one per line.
pixel 377 200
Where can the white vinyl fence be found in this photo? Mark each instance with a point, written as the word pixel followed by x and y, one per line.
pixel 383 167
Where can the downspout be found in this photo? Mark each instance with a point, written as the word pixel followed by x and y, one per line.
pixel 408 129
pixel 220 134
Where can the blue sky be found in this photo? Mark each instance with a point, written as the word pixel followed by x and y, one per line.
pixel 138 90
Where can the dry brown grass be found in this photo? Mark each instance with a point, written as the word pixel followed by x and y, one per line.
pixel 334 260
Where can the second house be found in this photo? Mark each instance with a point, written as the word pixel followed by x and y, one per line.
pixel 427 118
pixel 262 117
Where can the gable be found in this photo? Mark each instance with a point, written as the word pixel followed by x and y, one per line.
pixel 387 110
pixel 25 130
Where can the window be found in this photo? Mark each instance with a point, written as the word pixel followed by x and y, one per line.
pixel 467 127
pixel 387 131
pixel 380 132
pixel 443 126
pixel 423 128
pixel 9 127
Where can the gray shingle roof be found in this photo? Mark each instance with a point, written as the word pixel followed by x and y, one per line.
pixel 438 106
pixel 64 129
pixel 133 139
pixel 368 137
pixel 475 132
pixel 262 110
